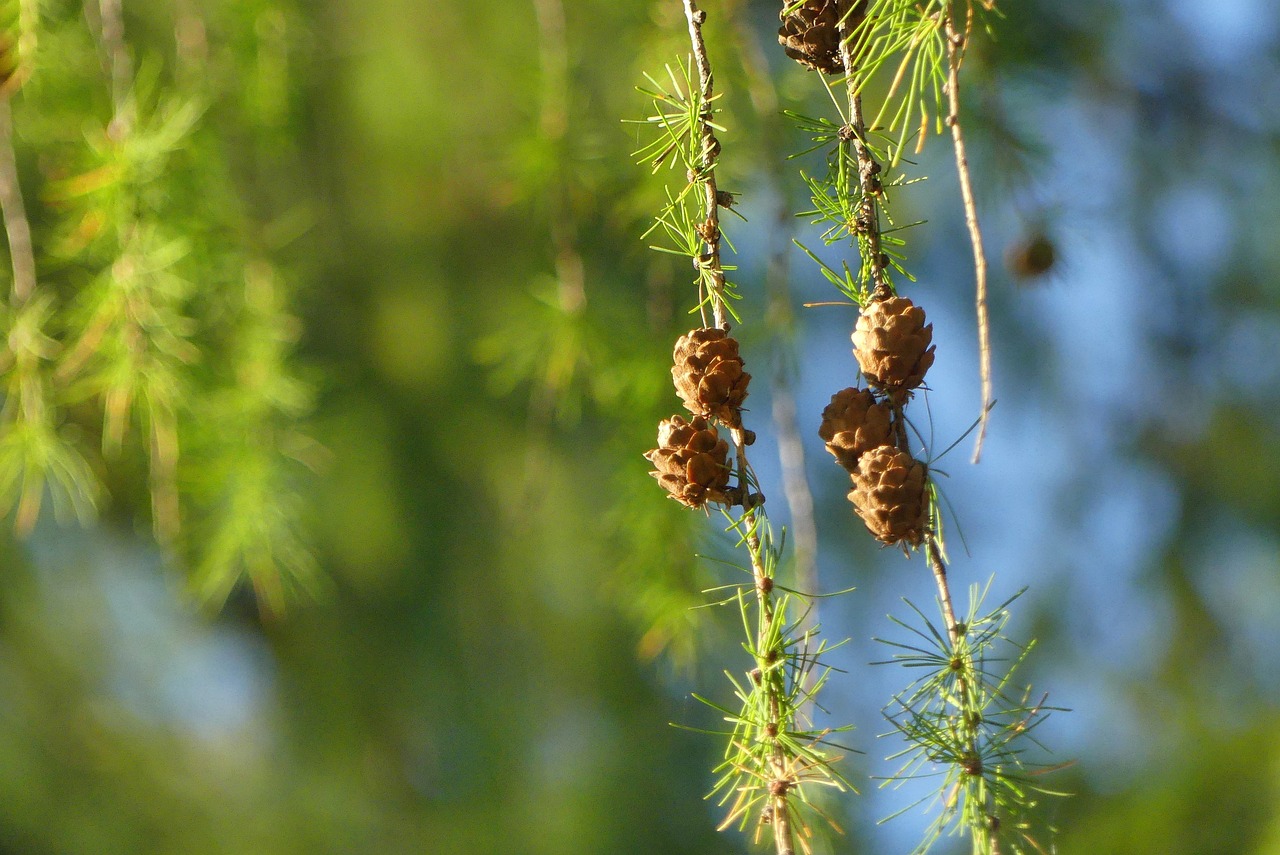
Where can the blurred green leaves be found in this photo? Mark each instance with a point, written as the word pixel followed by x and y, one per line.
pixel 157 309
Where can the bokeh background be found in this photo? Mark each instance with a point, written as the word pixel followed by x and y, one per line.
pixel 504 631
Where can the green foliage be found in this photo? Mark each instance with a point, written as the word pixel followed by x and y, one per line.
pixel 150 308
pixel 470 683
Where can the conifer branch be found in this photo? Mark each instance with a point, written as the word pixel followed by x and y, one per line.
pixel 753 512
pixel 958 715
pixel 963 665
pixel 771 759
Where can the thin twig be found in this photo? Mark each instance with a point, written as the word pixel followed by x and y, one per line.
pixel 16 225
pixel 956 42
pixel 710 260
pixel 783 837
pixel 795 487
pixel 934 556
pixel 111 15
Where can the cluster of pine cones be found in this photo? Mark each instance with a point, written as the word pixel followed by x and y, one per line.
pixel 692 461
pixel 892 343
pixel 894 349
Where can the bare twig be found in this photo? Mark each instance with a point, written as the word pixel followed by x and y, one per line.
pixel 16 225
pixel 795 486
pixel 956 42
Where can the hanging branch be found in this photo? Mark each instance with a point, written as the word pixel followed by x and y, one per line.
pixel 969 712
pixel 958 716
pixel 771 759
pixel 753 507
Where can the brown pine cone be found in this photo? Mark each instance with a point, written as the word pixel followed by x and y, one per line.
pixel 810 33
pixel 1032 256
pixel 892 344
pixel 708 374
pixel 889 494
pixel 691 461
pixel 854 423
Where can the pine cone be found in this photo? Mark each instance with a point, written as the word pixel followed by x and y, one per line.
pixel 889 494
pixel 708 374
pixel 892 344
pixel 691 461
pixel 854 423
pixel 1032 256
pixel 810 33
